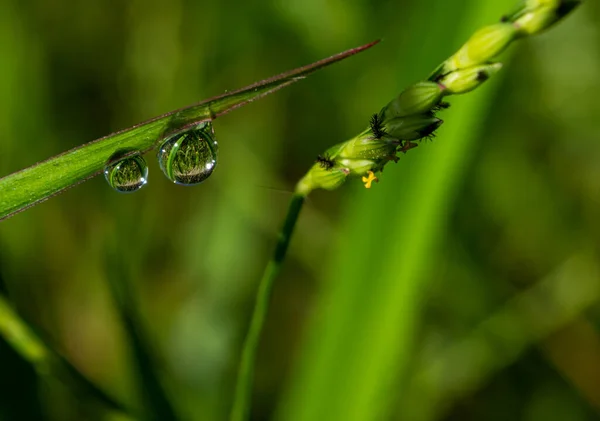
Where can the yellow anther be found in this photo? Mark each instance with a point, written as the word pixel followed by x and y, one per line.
pixel 369 180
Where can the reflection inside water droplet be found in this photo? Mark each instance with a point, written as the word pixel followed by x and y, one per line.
pixel 189 157
pixel 127 175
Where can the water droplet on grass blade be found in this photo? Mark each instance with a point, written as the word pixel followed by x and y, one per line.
pixel 127 175
pixel 189 157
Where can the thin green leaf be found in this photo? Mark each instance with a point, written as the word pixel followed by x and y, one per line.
pixel 33 349
pixel 156 402
pixel 498 341
pixel 37 183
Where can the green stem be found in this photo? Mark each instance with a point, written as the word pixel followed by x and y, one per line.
pixel 243 389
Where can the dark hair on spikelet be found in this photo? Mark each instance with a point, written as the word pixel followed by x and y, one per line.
pixel 377 127
pixel 325 162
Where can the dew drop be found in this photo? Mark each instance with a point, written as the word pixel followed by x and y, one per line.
pixel 189 157
pixel 127 175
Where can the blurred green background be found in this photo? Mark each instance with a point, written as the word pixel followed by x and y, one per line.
pixel 463 286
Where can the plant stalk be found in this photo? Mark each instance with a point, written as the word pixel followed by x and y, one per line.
pixel 243 390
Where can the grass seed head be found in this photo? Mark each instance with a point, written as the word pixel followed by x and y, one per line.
pixel 320 178
pixel 484 45
pixel 465 80
pixel 412 127
pixel 411 115
pixel 418 98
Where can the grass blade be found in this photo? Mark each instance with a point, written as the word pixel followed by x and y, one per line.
pixel 47 362
pixel 41 181
pixel 497 341
pixel 156 403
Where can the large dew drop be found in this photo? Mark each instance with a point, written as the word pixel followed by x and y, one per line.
pixel 127 175
pixel 189 157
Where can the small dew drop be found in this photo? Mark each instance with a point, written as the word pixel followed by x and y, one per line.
pixel 189 157
pixel 127 175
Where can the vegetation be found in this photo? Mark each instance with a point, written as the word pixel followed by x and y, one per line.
pixel 463 285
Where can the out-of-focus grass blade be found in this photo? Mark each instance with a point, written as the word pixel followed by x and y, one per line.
pixel 156 403
pixel 25 188
pixel 46 362
pixel 497 342
pixel 360 343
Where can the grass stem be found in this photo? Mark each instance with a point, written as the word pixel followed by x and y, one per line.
pixel 243 390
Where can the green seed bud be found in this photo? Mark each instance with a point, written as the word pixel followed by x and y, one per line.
pixel 319 177
pixel 334 151
pixel 536 21
pixel 361 166
pixel 544 16
pixel 519 10
pixel 463 81
pixel 416 99
pixel 485 44
pixel 412 127
pixel 534 4
pixel 366 147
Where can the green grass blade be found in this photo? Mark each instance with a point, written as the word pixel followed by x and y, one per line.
pixel 156 403
pixel 21 338
pixel 37 183
pixel 18 334
pixel 498 340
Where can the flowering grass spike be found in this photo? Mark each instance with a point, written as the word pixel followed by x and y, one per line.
pixel 412 114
